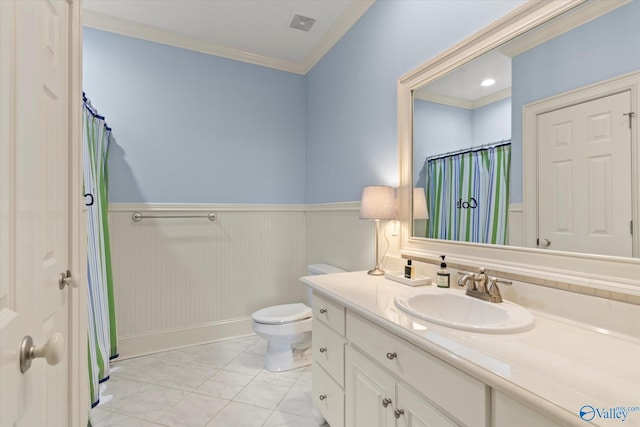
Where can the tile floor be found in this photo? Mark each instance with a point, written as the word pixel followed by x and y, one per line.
pixel 212 385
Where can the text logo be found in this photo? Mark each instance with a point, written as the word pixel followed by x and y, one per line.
pixel 617 413
pixel 471 204
pixel 587 413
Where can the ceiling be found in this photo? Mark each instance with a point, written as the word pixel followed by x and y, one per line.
pixel 255 31
pixel 461 87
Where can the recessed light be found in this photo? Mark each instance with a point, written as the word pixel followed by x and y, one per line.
pixel 488 82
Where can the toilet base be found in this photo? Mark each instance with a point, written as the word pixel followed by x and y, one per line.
pixel 280 357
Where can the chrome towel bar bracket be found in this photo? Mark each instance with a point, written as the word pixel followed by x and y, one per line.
pixel 137 216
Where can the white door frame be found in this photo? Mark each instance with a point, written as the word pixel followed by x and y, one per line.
pixel 79 400
pixel 631 82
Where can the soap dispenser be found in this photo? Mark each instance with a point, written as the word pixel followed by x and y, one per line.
pixel 409 270
pixel 444 278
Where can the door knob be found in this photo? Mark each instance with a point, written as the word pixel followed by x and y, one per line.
pixel 52 351
pixel 545 243
pixel 66 280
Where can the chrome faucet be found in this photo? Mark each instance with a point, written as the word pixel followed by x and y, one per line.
pixel 476 285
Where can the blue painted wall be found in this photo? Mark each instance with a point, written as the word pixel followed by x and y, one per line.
pixel 195 128
pixel 603 48
pixel 352 92
pixel 438 128
pixel 492 123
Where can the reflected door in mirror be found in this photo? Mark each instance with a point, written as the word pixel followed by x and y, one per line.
pixel 584 194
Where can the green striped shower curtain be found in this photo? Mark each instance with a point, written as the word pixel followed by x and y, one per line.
pixel 468 195
pixel 102 325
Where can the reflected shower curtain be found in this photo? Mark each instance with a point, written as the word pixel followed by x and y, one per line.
pixel 468 195
pixel 102 326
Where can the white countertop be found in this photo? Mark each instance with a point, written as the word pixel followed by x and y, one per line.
pixel 557 367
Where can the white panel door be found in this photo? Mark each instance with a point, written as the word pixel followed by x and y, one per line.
pixel 584 173
pixel 34 37
pixel 369 393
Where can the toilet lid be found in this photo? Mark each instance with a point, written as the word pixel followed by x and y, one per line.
pixel 279 314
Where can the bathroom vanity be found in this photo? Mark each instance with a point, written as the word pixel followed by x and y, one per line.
pixel 375 365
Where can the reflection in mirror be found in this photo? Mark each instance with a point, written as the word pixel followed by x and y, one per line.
pixel 562 86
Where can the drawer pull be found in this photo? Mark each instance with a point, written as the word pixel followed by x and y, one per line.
pixel 323 349
pixel 391 356
pixel 322 396
pixel 398 412
pixel 323 310
pixel 386 401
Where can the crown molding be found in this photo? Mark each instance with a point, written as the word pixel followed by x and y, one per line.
pixel 337 31
pixel 562 24
pixel 490 99
pixel 147 32
pixel 464 103
pixel 154 34
pixel 445 100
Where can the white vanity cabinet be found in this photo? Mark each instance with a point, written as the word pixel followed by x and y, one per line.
pixel 328 360
pixel 376 399
pixel 443 396
pixel 366 376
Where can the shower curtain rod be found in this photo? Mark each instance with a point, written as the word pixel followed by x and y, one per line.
pixel 470 149
pixel 93 111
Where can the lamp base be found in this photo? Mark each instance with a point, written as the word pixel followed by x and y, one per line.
pixel 376 272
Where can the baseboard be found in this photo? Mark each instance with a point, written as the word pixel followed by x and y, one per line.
pixel 140 345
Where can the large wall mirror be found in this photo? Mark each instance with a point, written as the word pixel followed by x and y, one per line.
pixel 525 138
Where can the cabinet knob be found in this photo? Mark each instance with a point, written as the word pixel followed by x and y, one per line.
pixel 323 349
pixel 386 401
pixel 323 310
pixel 322 396
pixel 391 356
pixel 398 412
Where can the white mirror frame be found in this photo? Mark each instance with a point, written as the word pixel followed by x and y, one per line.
pixel 610 277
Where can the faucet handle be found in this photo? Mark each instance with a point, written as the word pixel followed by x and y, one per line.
pixel 494 290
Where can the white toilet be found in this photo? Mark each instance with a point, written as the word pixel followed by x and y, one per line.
pixel 287 329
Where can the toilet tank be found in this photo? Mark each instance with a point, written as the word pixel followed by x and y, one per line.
pixel 317 269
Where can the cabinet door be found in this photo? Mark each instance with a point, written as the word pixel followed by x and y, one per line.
pixel 413 411
pixel 328 397
pixel 369 393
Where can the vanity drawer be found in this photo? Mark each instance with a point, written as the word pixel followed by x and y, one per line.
pixel 329 312
pixel 328 350
pixel 462 396
pixel 327 396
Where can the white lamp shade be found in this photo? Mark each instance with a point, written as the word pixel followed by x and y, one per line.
pixel 377 203
pixel 419 204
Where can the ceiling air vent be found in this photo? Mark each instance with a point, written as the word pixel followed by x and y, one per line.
pixel 303 23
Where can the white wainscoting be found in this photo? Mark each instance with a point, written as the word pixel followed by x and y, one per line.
pixel 516 224
pixel 180 282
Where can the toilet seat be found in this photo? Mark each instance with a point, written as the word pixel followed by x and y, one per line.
pixel 281 314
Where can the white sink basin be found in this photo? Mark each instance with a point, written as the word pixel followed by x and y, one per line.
pixel 467 313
